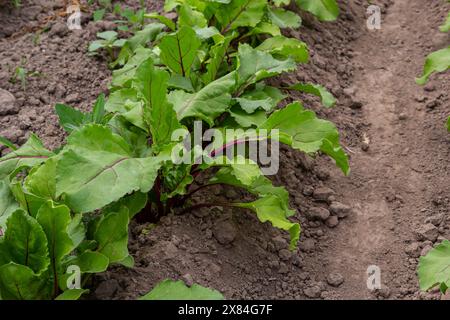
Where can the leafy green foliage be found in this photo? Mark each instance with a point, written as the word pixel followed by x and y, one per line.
pixel 325 10
pixel 438 61
pixel 177 290
pixel 210 65
pixel 108 41
pixel 434 268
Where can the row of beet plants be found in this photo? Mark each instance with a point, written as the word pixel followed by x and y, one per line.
pixel 215 63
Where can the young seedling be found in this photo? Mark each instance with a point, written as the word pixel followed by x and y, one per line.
pixel 109 42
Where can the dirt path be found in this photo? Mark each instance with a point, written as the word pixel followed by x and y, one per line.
pixel 403 177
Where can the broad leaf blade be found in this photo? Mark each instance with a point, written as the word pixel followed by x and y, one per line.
pixel 179 50
pixel 177 290
pixel 434 268
pixel 438 61
pixel 325 10
pixel 30 154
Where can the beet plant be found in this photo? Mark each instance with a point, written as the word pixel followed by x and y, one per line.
pixel 211 71
pixel 434 267
pixel 438 61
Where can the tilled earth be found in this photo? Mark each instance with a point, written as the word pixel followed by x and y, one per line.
pixel 392 208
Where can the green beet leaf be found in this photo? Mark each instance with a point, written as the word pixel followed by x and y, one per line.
pixel 151 84
pixel 72 294
pixel 55 221
pixel 270 208
pixel 91 262
pixel 256 65
pixel 206 104
pixel 97 168
pixel 284 18
pixel 328 100
pixel 438 61
pixel 30 154
pixel 302 130
pixel 8 204
pixel 24 243
pixel 19 282
pixel 112 235
pixel 179 50
pixel 434 268
pixel 177 290
pixel 325 10
pixel 240 13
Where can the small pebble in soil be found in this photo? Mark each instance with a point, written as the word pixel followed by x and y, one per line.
pixel 339 209
pixel 428 232
pixel 332 221
pixel 224 232
pixel 335 279
pixel 323 193
pixel 317 213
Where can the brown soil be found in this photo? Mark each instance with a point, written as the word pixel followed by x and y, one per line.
pixel 392 208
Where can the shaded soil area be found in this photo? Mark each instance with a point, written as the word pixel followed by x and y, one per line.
pixel 392 208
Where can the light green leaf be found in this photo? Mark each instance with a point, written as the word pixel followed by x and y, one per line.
pixel 72 294
pixel 327 98
pixel 265 28
pixel 98 168
pixel 256 65
pixel 98 14
pixel 41 180
pixel 55 221
pixel 76 230
pixel 206 104
pixel 286 47
pixel 177 81
pixel 30 154
pixel 7 202
pixel 438 61
pixel 217 57
pixel 302 130
pixel 123 77
pixel 18 282
pixel 446 26
pixel 240 13
pixel 284 18
pixel 246 120
pixel 179 50
pixel 7 143
pixel 91 262
pixel 280 3
pixel 270 208
pixel 151 84
pixel 187 16
pixel 69 118
pixel 264 97
pixel 325 10
pixel 96 44
pixel 177 290
pixel 24 243
pixel 112 236
pixel 134 203
pixel 140 39
pixel 434 268
pixel 107 35
pixel 163 19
